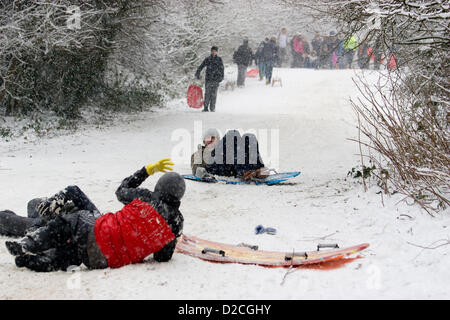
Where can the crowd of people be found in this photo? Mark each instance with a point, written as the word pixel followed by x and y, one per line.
pixel 332 51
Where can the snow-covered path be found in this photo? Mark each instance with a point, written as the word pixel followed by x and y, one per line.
pixel 313 119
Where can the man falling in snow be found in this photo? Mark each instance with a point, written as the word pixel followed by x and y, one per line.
pixel 70 230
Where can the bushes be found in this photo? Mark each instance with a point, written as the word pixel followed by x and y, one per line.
pixel 125 95
pixel 403 120
pixel 47 66
pixel 404 117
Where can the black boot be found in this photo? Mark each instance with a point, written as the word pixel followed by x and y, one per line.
pixel 21 247
pixel 14 248
pixel 38 263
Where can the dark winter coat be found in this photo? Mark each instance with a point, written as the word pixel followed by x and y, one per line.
pixel 214 69
pixel 333 45
pixel 270 52
pixel 259 53
pixel 243 55
pixel 244 155
pixel 316 44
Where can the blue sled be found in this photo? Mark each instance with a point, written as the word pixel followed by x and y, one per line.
pixel 270 180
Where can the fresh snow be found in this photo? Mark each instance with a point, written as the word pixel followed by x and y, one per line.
pixel 314 119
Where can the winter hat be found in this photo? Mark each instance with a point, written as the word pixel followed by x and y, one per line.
pixel 214 48
pixel 171 184
pixel 211 132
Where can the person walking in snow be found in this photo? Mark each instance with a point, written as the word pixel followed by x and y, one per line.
pixel 242 57
pixel 313 60
pixel 332 42
pixel 341 52
pixel 270 56
pixel 73 231
pixel 260 59
pixel 198 164
pixel 306 52
pixel 350 45
pixel 297 51
pixel 282 44
pixel 316 43
pixel 377 52
pixel 363 55
pixel 214 75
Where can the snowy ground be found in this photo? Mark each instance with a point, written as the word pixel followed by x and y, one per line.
pixel 314 119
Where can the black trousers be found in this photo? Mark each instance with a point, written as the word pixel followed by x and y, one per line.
pixel 242 74
pixel 60 243
pixel 297 61
pixel 211 88
pixel 13 225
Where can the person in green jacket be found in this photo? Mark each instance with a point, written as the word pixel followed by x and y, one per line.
pixel 350 46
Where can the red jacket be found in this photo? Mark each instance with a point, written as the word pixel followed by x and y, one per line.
pixel 298 45
pixel 131 234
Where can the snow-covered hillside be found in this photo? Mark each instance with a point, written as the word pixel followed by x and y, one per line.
pixel 311 119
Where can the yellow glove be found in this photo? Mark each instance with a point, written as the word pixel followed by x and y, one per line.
pixel 161 165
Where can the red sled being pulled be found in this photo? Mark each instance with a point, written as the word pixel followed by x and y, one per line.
pixel 195 96
pixel 252 73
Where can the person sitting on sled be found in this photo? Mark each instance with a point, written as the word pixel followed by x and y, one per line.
pixel 210 139
pixel 232 156
pixel 71 231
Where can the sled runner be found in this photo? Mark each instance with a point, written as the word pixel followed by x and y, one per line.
pixel 195 96
pixel 250 254
pixel 252 73
pixel 272 179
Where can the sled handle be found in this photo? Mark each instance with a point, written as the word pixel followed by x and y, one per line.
pixel 327 245
pixel 209 250
pixel 290 256
pixel 253 247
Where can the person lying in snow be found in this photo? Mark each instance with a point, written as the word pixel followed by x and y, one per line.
pixel 232 156
pixel 71 230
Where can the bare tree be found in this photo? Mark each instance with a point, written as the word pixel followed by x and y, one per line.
pixel 405 116
pixel 53 54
